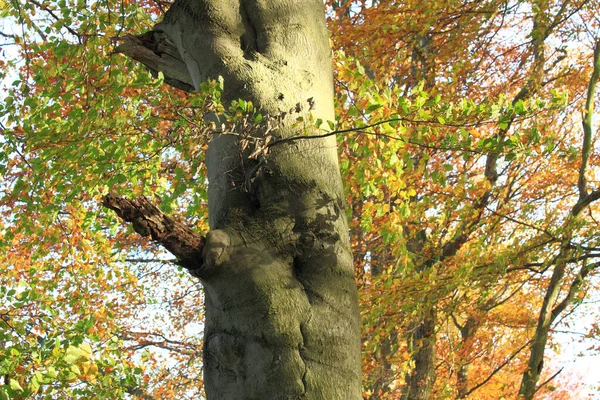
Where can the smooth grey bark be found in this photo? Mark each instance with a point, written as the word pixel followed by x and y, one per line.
pixel 282 318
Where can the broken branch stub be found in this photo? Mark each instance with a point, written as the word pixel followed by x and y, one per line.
pixel 148 220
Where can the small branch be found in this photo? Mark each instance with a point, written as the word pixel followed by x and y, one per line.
pixel 148 260
pixel 497 369
pixel 148 220
pixel 56 18
pixel 459 326
pixel 375 124
pixel 585 201
pixel 7 35
pixel 516 221
pixel 587 122
pixel 144 340
pixel 547 381
pixel 139 393
pixel 574 288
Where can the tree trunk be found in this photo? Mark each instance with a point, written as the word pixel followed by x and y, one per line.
pixel 421 344
pixel 467 332
pixel 551 308
pixel 282 318
pixel 545 320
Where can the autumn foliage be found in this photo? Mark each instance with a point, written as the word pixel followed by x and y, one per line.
pixel 468 151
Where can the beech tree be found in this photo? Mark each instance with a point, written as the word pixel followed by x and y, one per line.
pixel 209 129
pixel 281 304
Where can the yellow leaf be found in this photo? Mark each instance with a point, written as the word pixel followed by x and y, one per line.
pixel 14 385
pixel 75 369
pixel 86 350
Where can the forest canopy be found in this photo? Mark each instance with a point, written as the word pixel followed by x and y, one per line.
pixel 466 135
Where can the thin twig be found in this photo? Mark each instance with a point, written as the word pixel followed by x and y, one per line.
pixel 547 380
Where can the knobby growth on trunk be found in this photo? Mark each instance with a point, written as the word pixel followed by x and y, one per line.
pixel 281 304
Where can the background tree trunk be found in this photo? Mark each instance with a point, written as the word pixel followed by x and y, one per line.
pixel 421 344
pixel 282 318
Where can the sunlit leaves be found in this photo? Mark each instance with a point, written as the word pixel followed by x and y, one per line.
pixel 78 121
pixel 473 179
pixel 459 184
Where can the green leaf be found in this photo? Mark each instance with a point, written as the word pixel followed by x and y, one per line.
pixel 14 385
pixel 520 108
pixel 360 68
pixel 373 107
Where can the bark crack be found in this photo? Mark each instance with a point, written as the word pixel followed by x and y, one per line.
pixel 302 345
pixel 148 220
pixel 248 39
pixel 301 351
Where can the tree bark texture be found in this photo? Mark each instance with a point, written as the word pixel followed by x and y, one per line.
pixel 421 344
pixel 467 333
pixel 282 318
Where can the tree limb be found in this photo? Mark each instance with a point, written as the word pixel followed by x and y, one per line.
pixel 497 369
pixel 548 380
pixel 158 54
pixel 587 122
pixel 148 220
pixel 574 288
